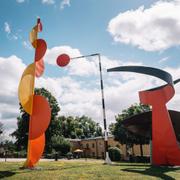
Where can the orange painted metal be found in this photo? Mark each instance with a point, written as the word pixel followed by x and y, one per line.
pixel 40 117
pixel 39 69
pixel 35 150
pixel 35 105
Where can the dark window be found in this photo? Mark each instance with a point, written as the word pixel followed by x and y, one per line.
pixel 92 145
pixel 87 146
pixel 93 154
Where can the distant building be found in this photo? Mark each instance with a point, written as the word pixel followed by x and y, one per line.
pixel 94 147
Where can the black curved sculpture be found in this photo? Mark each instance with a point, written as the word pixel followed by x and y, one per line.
pixel 141 124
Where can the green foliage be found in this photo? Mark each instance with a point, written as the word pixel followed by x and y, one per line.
pixel 61 145
pixel 1 128
pixel 69 155
pixel 121 133
pixel 79 127
pixel 21 133
pixel 115 153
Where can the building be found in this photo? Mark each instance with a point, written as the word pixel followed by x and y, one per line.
pixel 94 147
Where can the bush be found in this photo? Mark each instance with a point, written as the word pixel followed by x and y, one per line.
pixel 114 154
pixel 69 155
pixel 143 159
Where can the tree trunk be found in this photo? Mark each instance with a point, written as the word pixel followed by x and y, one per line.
pixel 141 150
pixel 133 149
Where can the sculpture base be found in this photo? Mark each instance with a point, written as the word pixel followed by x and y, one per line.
pixel 107 160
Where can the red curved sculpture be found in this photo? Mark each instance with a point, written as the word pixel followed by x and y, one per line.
pixel 166 150
pixel 165 147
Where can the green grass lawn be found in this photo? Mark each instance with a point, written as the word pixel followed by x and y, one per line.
pixel 74 169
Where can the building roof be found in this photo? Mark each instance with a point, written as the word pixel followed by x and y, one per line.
pixel 92 138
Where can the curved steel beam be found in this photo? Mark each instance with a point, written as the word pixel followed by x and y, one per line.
pixel 163 75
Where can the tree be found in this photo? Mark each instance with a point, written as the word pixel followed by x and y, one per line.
pixel 79 127
pixel 21 133
pixel 1 132
pixel 61 145
pixel 121 134
pixel 1 128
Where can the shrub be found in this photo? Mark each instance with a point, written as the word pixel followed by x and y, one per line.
pixel 114 154
pixel 69 155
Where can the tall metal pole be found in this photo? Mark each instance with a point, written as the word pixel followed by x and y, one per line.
pixel 107 159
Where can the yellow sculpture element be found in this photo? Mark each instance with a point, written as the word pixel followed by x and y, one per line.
pixel 33 36
pixel 26 88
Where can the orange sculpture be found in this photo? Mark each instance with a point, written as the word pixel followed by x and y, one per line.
pixel 35 105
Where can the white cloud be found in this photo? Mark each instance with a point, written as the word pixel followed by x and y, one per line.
pixel 79 67
pixel 163 60
pixel 53 53
pixel 8 31
pixel 27 45
pixel 11 69
pixel 48 2
pixel 153 29
pixel 64 3
pixel 7 28
pixel 20 1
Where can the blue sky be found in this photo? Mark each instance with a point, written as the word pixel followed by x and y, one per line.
pixel 143 32
pixel 83 25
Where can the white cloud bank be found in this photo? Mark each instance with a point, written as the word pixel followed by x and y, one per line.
pixel 78 94
pixel 11 69
pixel 153 29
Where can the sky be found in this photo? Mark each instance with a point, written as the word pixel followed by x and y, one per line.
pixel 126 32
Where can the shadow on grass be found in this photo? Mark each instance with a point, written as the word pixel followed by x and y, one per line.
pixel 153 171
pixel 132 164
pixel 64 168
pixel 4 174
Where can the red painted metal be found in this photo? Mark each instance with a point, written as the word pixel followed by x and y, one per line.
pixel 63 60
pixel 165 148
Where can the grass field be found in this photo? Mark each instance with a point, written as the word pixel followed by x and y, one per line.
pixel 84 170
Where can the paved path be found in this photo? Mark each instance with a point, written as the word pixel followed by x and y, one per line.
pixel 20 159
pixel 24 159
